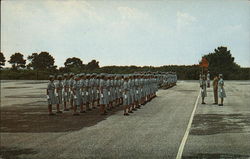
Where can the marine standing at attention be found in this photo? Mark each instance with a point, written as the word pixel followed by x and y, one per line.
pixel 221 90
pixel 59 93
pixel 82 84
pixel 66 91
pixel 51 97
pixel 103 93
pixel 208 79
pixel 71 96
pixel 77 94
pixel 215 88
pixel 126 95
pixel 203 88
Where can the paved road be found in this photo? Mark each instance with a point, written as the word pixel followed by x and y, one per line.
pixel 155 131
pixel 222 132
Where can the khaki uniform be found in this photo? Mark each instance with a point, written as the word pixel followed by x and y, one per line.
pixel 215 88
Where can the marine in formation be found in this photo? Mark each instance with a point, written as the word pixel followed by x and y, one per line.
pixel 84 92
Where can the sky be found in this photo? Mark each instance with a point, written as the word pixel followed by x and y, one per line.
pixel 129 32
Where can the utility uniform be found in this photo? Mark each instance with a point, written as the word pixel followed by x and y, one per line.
pixel 66 90
pixel 203 88
pixel 103 92
pixel 59 92
pixel 77 86
pixel 51 93
pixel 221 90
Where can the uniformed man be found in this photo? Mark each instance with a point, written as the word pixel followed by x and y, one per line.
pixel 203 89
pixel 109 99
pixel 112 91
pixel 208 80
pixel 103 93
pixel 71 83
pixel 200 78
pixel 93 89
pixel 126 95
pixel 59 93
pixel 97 84
pixel 141 90
pixel 147 89
pixel 133 92
pixel 215 88
pixel 130 94
pixel 221 90
pixel 137 91
pixel 83 93
pixel 121 80
pixel 77 94
pixel 144 93
pixel 116 90
pixel 66 91
pixel 51 97
pixel 88 91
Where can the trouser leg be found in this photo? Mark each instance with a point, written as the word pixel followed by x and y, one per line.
pixel 216 96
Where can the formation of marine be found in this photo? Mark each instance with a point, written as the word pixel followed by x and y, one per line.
pixel 106 91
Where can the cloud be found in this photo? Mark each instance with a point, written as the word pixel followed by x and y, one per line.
pixel 128 16
pixel 128 19
pixel 184 20
pixel 236 27
pixel 26 22
pixel 128 13
pixel 69 11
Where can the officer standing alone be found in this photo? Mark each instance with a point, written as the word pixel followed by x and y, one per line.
pixel 215 88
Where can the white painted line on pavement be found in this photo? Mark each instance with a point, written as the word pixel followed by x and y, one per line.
pixel 184 139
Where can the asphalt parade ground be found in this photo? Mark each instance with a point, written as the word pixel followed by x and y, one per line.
pixel 155 131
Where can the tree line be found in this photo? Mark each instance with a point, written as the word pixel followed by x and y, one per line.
pixel 44 61
pixel 42 64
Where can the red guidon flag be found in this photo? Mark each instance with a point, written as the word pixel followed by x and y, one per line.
pixel 204 62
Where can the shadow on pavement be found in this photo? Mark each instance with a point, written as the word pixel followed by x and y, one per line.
pixel 209 124
pixel 34 118
pixel 14 152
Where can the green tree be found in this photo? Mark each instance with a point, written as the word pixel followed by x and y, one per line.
pixel 17 61
pixel 73 62
pixel 42 61
pixel 2 60
pixel 221 61
pixel 92 65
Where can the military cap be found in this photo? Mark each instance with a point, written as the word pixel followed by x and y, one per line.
pixel 65 74
pixel 51 76
pixel 82 74
pixel 59 76
pixel 117 76
pixel 71 74
pixel 77 76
